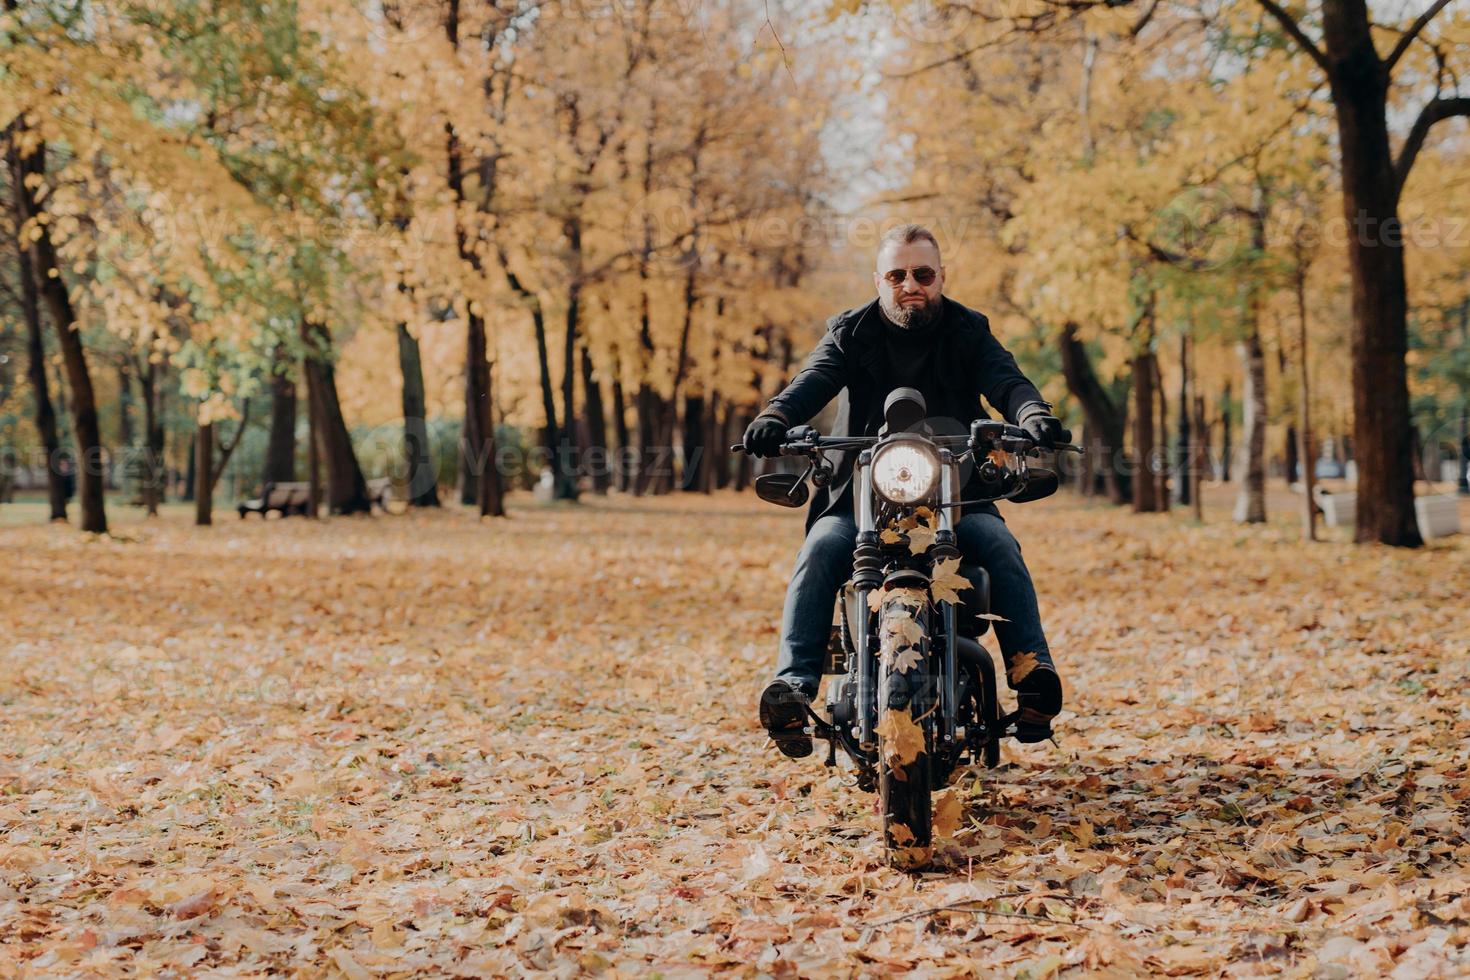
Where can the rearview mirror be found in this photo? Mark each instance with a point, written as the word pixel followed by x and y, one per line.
pixel 784 489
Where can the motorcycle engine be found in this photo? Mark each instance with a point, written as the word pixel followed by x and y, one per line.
pixel 842 701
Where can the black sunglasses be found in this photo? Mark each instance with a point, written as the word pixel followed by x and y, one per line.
pixel 923 275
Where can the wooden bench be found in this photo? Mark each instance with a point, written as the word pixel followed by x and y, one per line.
pixel 284 498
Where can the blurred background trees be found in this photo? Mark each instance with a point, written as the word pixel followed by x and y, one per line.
pixel 475 245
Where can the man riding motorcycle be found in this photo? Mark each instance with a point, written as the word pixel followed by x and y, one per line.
pixel 911 336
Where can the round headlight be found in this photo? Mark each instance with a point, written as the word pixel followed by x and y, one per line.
pixel 905 472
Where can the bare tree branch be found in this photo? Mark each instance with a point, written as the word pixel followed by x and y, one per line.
pixel 1294 29
pixel 1433 112
pixel 1143 20
pixel 1411 33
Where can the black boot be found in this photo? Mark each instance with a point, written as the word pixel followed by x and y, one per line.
pixel 783 711
pixel 1039 697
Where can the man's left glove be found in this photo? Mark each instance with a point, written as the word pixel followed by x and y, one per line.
pixel 1044 428
pixel 765 435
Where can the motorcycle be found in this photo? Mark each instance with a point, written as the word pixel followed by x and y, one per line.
pixel 914 696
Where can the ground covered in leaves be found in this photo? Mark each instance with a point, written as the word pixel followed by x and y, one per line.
pixel 421 744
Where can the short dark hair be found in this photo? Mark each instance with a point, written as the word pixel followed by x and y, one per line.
pixel 907 235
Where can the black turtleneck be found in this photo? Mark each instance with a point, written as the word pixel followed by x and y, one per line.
pixel 911 360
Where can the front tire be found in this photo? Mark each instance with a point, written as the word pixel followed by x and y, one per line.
pixel 905 729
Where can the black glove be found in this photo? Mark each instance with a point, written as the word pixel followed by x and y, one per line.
pixel 1044 428
pixel 764 436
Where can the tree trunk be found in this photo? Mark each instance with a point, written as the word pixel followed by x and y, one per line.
pixel 479 446
pixel 1201 455
pixel 1463 483
pixel 714 446
pixel 313 454
pixel 151 378
pixel 1105 419
pixel 1161 492
pixel 36 371
pixel 203 476
pixel 567 452
pixel 1203 429
pixel 744 467
pixel 551 434
pixel 124 404
pixel 52 287
pixel 1292 462
pixel 1304 413
pixel 693 443
pixel 1382 444
pixel 1226 451
pixel 623 464
pixel 1144 486
pixel 1186 462
pixel 423 475
pixel 346 488
pixel 280 450
pixel 595 455
pixel 188 495
pixel 1250 503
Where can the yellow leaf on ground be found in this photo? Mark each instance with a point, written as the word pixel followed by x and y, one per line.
pixel 948 813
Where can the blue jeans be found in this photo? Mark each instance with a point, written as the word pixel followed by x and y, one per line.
pixel 825 563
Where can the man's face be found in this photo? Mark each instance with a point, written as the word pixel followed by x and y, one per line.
pixel 905 300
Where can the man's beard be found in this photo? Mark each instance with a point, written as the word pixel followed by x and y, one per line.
pixel 911 316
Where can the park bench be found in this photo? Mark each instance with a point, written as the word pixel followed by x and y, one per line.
pixel 1438 516
pixel 284 498
pixel 294 498
pixel 1338 509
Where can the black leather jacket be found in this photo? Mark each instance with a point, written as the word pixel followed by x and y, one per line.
pixel 849 361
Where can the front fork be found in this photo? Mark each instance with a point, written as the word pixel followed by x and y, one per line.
pixel 867 575
pixel 946 546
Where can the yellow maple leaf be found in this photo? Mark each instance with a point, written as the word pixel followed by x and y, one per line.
pixel 905 660
pixel 948 581
pixel 901 738
pixel 920 538
pixel 904 626
pixel 1021 666
pixel 948 813
pixel 901 834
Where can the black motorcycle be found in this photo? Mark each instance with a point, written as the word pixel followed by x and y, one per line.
pixel 914 696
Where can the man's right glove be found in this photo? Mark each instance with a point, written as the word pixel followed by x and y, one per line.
pixel 765 435
pixel 1044 428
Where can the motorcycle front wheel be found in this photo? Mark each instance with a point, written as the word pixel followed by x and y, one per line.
pixel 905 730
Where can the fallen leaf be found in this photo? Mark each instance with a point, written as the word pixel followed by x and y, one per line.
pixel 901 738
pixel 1022 664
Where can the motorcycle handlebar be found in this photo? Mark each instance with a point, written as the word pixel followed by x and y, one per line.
pixel 797 449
